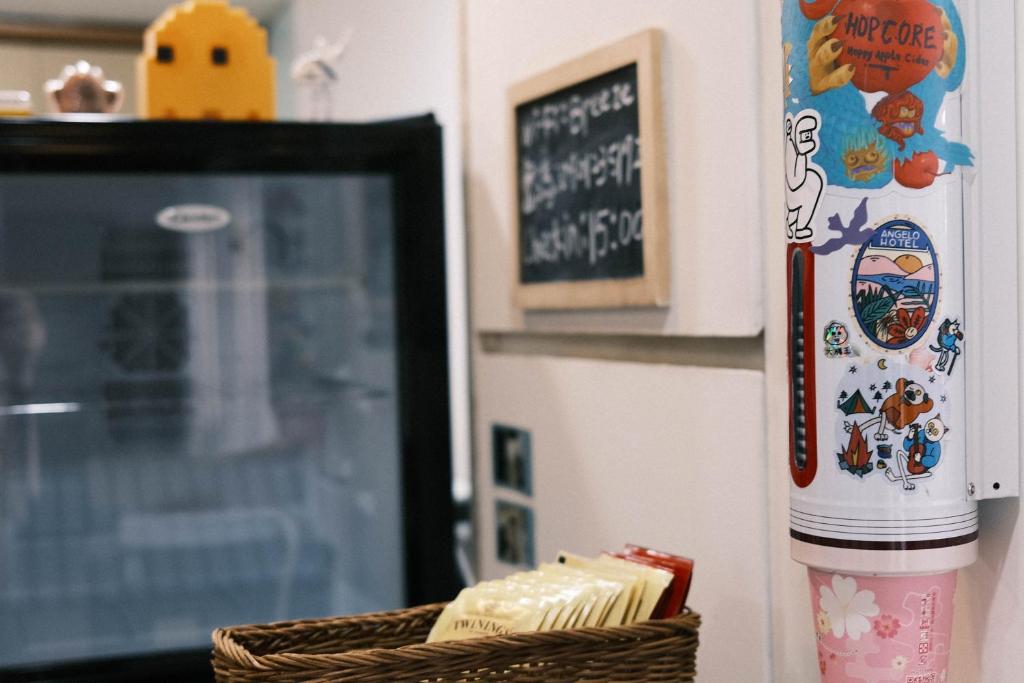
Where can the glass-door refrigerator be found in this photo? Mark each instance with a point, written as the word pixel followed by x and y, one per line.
pixel 223 385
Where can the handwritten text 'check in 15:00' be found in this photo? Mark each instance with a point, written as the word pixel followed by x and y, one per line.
pixel 594 235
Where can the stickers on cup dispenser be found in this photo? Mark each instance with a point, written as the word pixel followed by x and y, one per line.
pixel 874 223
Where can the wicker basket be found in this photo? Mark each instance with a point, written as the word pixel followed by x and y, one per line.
pixel 389 646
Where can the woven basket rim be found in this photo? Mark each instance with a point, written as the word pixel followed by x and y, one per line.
pixel 300 624
pixel 518 646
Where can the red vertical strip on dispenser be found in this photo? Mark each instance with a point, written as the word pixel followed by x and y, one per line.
pixel 803 433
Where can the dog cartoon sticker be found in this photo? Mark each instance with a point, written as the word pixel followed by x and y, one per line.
pixel 947 345
pixel 900 410
pixel 805 180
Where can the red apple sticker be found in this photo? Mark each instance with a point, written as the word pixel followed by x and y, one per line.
pixel 817 9
pixel 892 44
pixel 917 172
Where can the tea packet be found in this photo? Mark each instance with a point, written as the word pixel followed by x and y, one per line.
pixel 620 611
pixel 655 582
pixel 559 593
pixel 611 590
pixel 492 608
pixel 593 603
pixel 681 567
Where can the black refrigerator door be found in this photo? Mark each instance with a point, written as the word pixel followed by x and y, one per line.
pixel 223 386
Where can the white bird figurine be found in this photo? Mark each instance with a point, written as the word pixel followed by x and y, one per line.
pixel 316 69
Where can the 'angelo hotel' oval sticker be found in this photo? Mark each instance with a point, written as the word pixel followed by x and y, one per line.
pixel 193 218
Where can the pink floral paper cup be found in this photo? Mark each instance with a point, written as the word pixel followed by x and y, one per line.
pixel 882 629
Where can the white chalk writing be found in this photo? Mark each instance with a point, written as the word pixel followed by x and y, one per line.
pixel 574 113
pixel 545 180
pixel 591 235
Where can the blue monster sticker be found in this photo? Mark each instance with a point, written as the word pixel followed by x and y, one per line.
pixel 877 71
pixel 895 285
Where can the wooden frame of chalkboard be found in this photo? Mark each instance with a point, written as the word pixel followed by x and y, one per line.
pixel 590 213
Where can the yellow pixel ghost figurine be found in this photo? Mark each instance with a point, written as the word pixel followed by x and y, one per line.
pixel 204 59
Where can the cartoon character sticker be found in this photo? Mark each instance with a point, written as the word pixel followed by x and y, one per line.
pixel 890 428
pixel 901 409
pixel 922 450
pixel 900 116
pixel 878 72
pixel 894 289
pixel 865 157
pixel 947 345
pixel 836 338
pixel 805 180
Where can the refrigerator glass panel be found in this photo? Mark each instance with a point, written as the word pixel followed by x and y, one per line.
pixel 198 413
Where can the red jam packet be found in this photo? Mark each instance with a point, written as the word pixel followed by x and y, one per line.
pixel 675 596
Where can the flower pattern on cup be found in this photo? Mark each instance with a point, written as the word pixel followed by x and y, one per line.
pixel 823 623
pixel 884 646
pixel 848 608
pixel 887 626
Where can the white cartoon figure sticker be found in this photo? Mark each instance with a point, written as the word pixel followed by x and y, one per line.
pixel 805 180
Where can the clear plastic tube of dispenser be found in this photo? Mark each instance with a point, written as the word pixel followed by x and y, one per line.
pixel 877 336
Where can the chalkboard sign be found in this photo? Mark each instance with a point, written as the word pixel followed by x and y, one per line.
pixel 589 175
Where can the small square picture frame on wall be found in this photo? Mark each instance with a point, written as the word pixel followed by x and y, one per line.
pixel 513 534
pixel 589 185
pixel 512 458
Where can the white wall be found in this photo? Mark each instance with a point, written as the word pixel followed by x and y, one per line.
pixel 403 60
pixel 623 452
pixel 658 455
